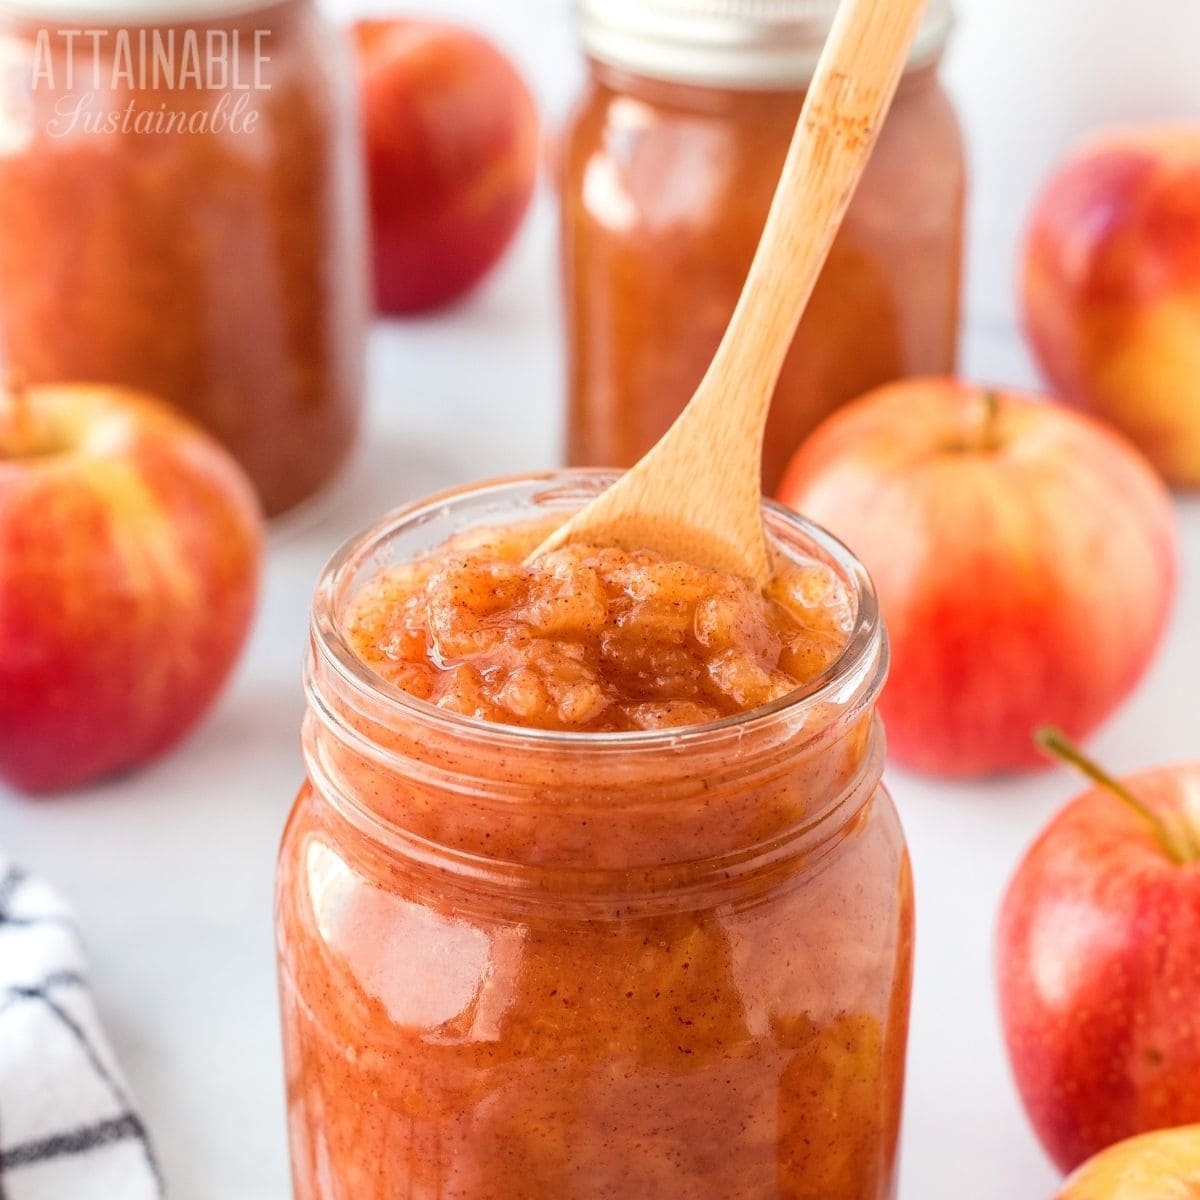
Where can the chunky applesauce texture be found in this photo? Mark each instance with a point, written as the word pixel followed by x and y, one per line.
pixel 594 639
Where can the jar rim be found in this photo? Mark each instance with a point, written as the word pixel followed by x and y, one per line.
pixel 751 44
pixel 866 646
pixel 137 13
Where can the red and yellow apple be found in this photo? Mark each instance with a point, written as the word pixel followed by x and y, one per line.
pixel 1024 556
pixel 452 147
pixel 1098 965
pixel 1112 288
pixel 129 560
pixel 1164 1165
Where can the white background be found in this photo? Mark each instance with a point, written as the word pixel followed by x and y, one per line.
pixel 171 869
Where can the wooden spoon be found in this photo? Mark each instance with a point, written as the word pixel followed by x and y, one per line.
pixel 697 495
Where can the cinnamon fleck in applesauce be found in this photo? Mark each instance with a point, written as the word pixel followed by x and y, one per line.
pixel 594 639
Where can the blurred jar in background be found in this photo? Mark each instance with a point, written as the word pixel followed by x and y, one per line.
pixel 181 211
pixel 669 166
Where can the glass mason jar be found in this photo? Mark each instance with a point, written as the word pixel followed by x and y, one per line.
pixel 181 212
pixel 666 174
pixel 529 965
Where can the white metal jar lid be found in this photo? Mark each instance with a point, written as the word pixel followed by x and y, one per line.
pixel 728 43
pixel 111 13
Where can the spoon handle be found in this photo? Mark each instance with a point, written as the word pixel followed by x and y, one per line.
pixel 697 494
pixel 855 80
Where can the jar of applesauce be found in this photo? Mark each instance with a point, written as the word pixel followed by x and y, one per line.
pixel 181 212
pixel 589 961
pixel 667 170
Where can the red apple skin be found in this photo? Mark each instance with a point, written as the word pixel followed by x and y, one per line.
pixel 452 148
pixel 1164 1165
pixel 1025 566
pixel 1098 970
pixel 1111 289
pixel 129 564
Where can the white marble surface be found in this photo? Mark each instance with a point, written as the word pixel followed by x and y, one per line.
pixel 171 868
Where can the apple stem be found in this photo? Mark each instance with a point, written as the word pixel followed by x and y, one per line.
pixel 979 434
pixel 991 416
pixel 23 432
pixel 1057 745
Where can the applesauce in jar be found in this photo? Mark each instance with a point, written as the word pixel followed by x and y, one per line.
pixel 667 170
pixel 180 212
pixel 593 891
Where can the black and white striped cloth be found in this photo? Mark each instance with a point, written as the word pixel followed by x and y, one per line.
pixel 67 1128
